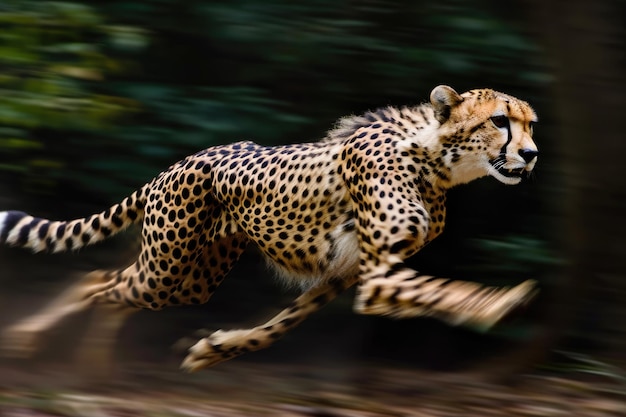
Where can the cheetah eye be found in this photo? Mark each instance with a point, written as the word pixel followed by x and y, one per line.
pixel 500 121
pixel 531 127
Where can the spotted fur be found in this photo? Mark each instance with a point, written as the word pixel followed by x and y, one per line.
pixel 326 215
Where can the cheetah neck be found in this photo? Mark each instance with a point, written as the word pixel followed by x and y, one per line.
pixel 416 131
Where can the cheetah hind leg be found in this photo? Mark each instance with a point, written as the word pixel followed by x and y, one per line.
pixel 223 345
pixel 23 339
pixel 94 357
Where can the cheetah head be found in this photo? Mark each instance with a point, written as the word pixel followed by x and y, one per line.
pixel 485 133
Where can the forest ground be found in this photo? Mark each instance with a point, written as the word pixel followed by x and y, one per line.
pixel 334 381
pixel 243 388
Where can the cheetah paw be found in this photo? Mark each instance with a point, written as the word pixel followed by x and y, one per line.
pixel 513 299
pixel 218 347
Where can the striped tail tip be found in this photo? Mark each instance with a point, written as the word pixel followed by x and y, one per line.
pixel 8 221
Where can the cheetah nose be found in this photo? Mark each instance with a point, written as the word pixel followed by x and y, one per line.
pixel 528 154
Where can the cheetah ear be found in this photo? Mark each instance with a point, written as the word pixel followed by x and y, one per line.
pixel 443 98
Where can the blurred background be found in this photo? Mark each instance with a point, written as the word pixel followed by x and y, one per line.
pixel 97 97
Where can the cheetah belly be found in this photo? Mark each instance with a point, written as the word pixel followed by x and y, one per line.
pixel 345 253
pixel 337 257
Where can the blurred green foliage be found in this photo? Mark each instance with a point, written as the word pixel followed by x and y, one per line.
pixel 102 95
pixel 51 59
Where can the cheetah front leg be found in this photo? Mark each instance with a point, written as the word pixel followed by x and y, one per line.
pixel 409 294
pixel 223 345
pixel 407 215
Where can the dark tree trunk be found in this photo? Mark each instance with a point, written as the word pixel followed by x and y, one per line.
pixel 584 41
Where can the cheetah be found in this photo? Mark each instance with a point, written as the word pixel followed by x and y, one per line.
pixel 348 209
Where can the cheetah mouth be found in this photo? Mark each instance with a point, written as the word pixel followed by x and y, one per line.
pixel 506 174
pixel 511 172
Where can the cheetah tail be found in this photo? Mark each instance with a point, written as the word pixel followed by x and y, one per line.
pixel 22 230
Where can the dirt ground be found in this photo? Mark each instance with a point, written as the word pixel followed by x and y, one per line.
pixel 250 389
pixel 326 384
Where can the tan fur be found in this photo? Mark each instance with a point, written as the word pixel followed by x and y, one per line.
pixel 350 208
